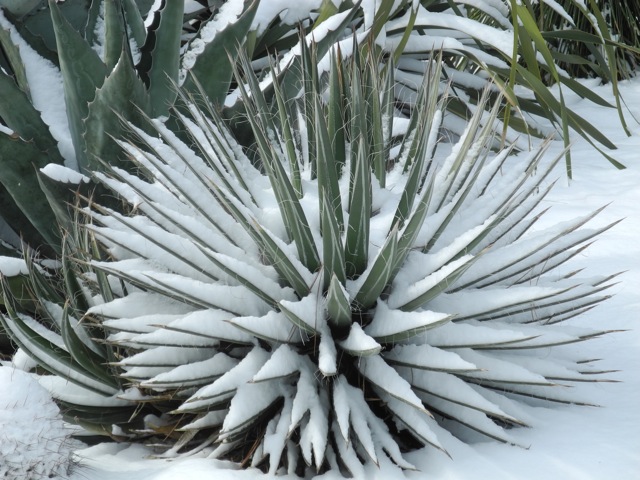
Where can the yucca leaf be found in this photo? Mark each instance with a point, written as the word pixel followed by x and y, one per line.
pixel 273 327
pixel 286 266
pixel 375 279
pixel 50 356
pixel 335 112
pixel 333 261
pixel 376 371
pixel 357 234
pixel 610 51
pixel 338 303
pixel 61 195
pixel 286 128
pixel 307 103
pixel 293 215
pixel 417 145
pixel 224 387
pixel 327 171
pixel 84 356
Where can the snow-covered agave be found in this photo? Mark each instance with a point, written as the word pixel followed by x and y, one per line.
pixel 337 295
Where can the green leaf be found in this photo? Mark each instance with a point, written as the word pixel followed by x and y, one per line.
pixel 134 21
pixel 19 114
pixel 61 197
pixel 357 241
pixel 436 283
pixel 12 53
pixel 293 215
pixel 212 67
pixel 114 33
pixel 163 49
pixel 288 137
pixel 18 176
pixel 121 96
pixel 377 277
pixel 82 73
pixel 333 262
pixel 335 114
pixel 327 171
pixel 338 304
pixel 48 355
pixel 82 354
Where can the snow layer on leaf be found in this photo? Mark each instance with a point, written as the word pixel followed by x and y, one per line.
pixel 275 438
pixel 327 353
pixel 307 313
pixel 273 327
pixel 63 174
pixel 138 304
pixel 227 384
pixel 428 358
pixel 208 420
pixel 388 323
pixel 404 293
pixel 166 356
pixel 284 361
pixel 359 343
pixel 496 370
pixel 420 424
pixel 249 401
pixel 12 267
pixel 194 373
pixel 469 417
pixel 453 389
pixel 475 334
pixel 211 324
pixel 418 265
pixel 128 327
pixel 289 12
pixel 387 379
pixel 502 40
pixel 66 391
pixel 473 303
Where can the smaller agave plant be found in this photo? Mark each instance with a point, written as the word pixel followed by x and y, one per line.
pixel 328 299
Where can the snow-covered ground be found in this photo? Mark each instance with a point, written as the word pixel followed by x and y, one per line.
pixel 581 443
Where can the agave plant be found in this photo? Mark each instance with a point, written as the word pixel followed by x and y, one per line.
pixel 328 298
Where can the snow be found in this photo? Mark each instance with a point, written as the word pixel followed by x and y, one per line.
pixel 28 417
pixel 64 174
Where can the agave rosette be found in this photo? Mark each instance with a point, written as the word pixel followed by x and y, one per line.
pixel 344 292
